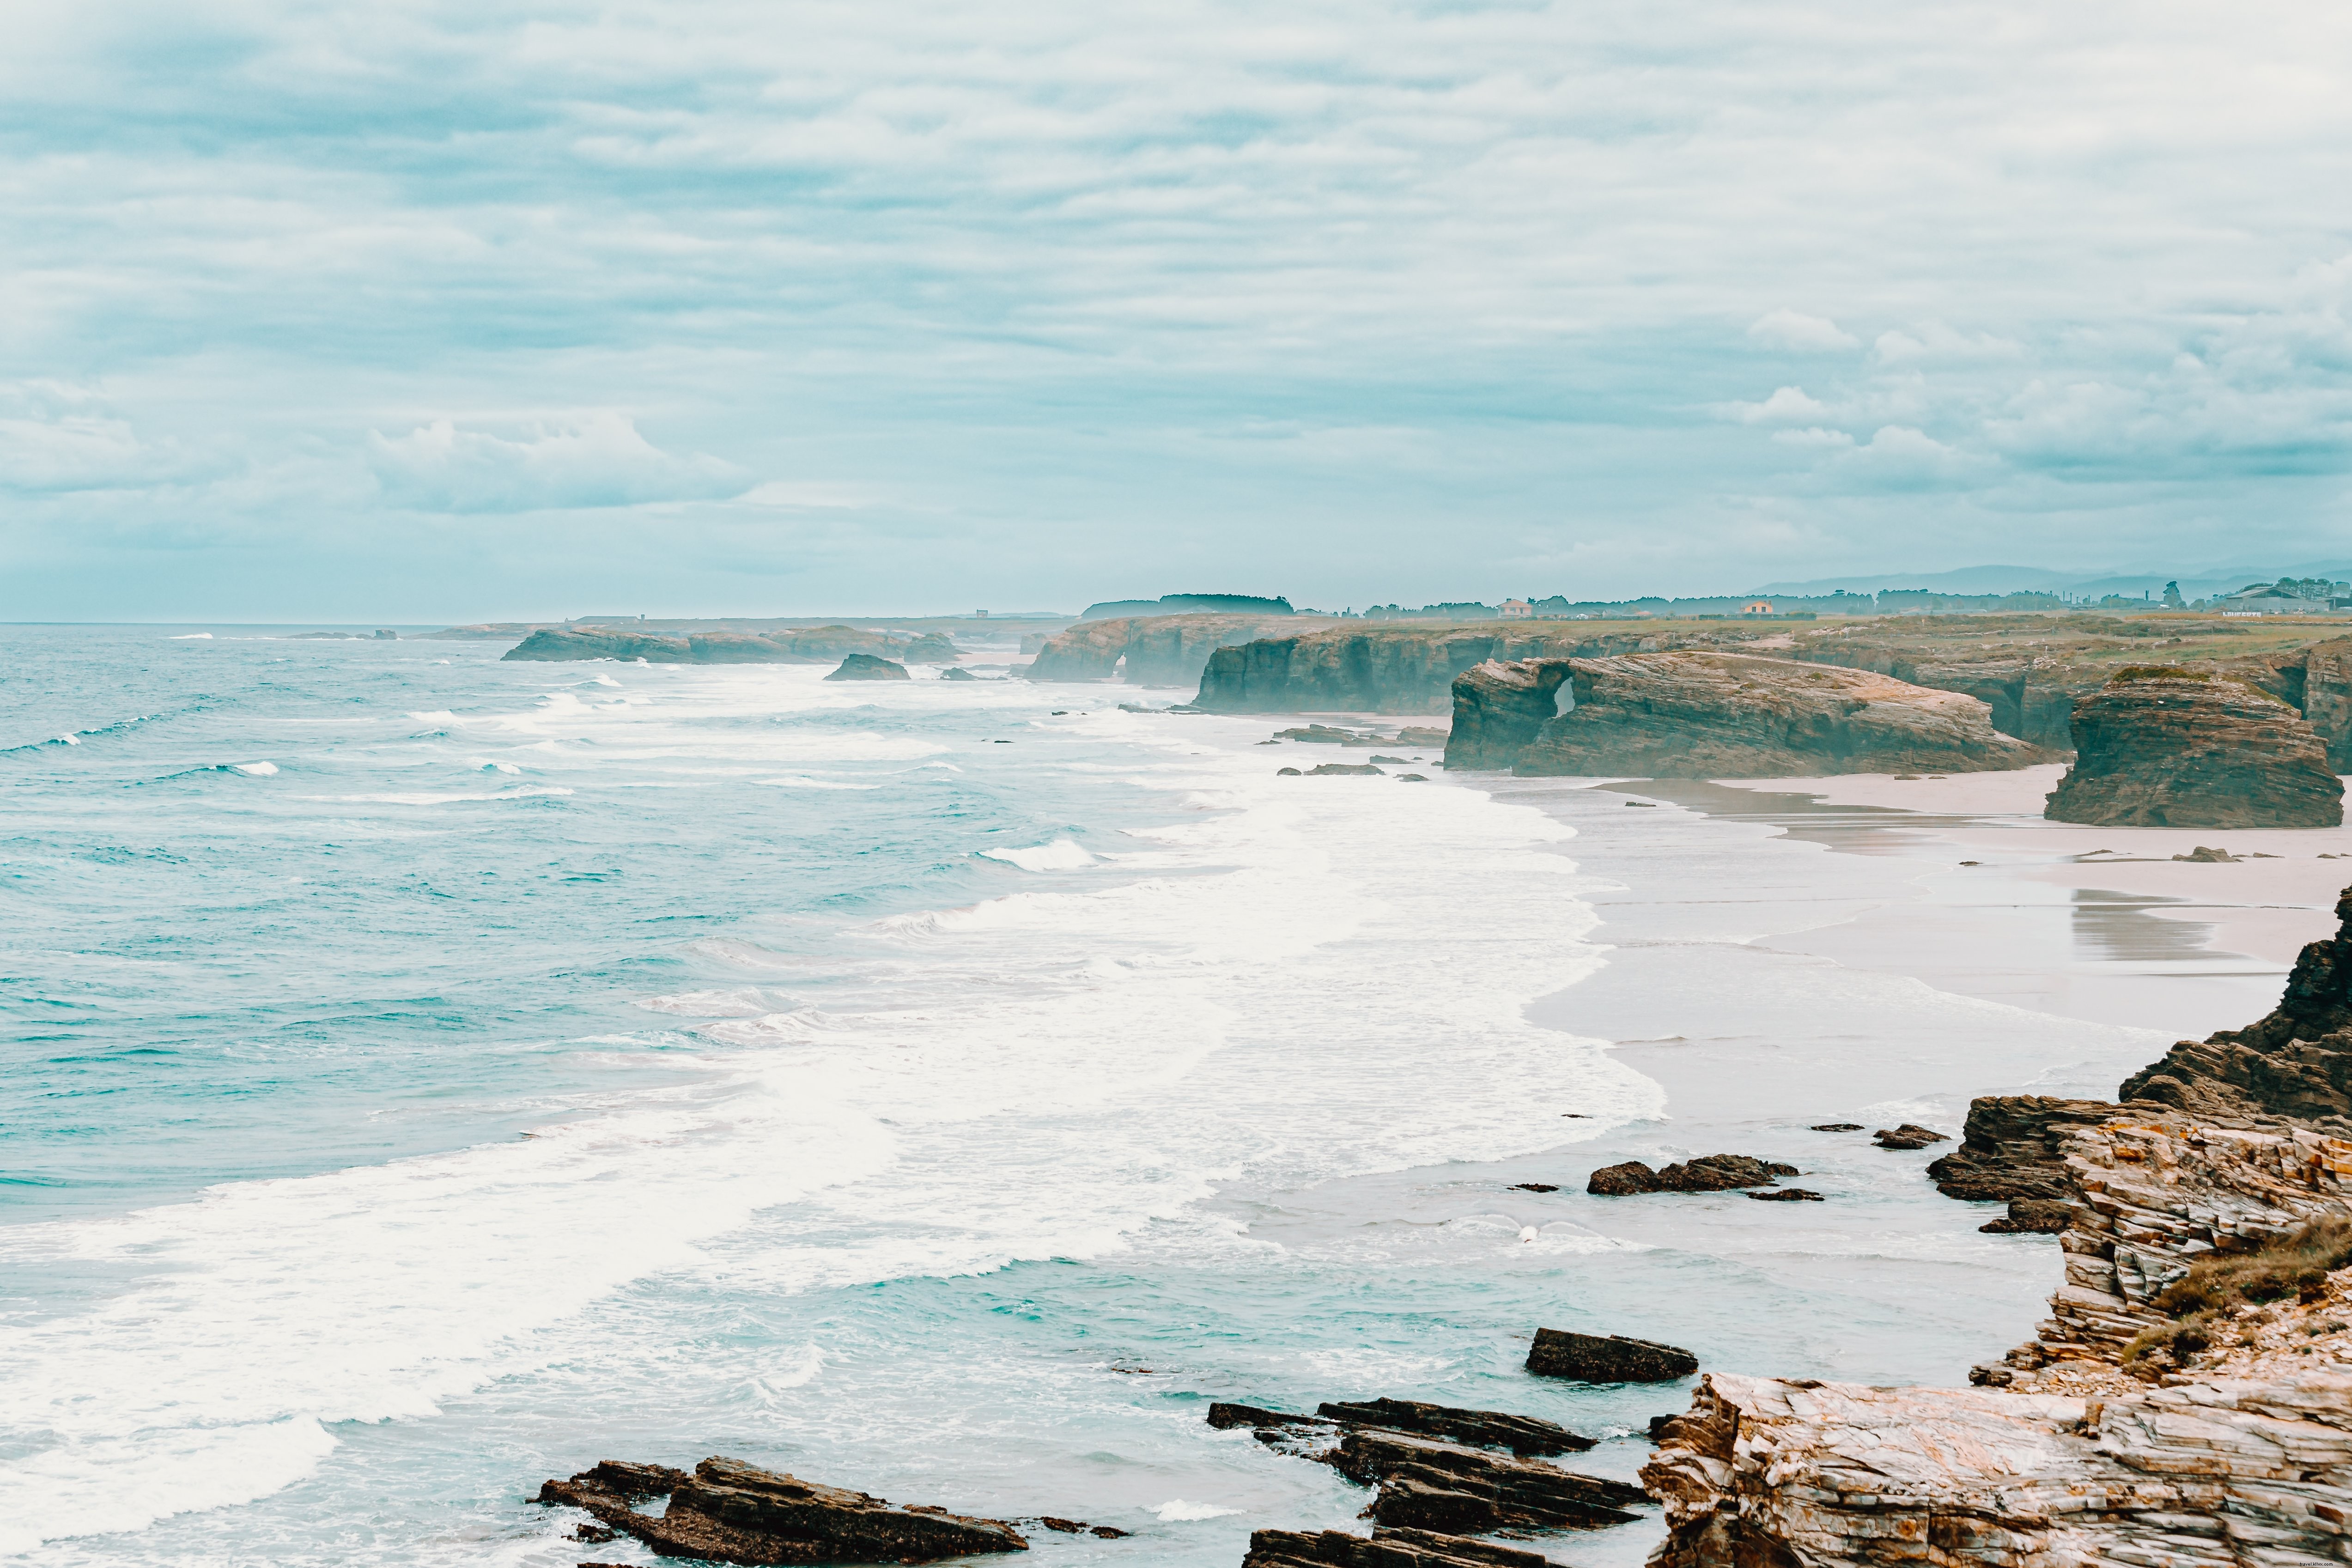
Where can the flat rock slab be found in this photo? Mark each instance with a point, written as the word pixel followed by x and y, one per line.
pixel 1457 1490
pixel 1522 1435
pixel 729 1511
pixel 1385 1549
pixel 1607 1358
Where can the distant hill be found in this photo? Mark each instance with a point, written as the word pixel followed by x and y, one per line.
pixel 2195 583
pixel 1189 604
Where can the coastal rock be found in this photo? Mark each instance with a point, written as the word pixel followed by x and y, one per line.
pixel 2065 1455
pixel 1606 1358
pixel 1788 1195
pixel 1522 1435
pixel 2163 747
pixel 2010 1147
pixel 1149 650
pixel 1398 668
pixel 729 1511
pixel 806 644
pixel 1910 1135
pixel 1717 715
pixel 1325 770
pixel 1499 708
pixel 1707 1173
pixel 866 667
pixel 2295 1062
pixel 955 673
pixel 1457 1491
pixel 2032 1217
pixel 1384 1548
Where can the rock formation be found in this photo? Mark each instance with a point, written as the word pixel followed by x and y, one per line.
pixel 1157 650
pixel 1408 668
pixel 2163 747
pixel 2063 1456
pixel 1910 1135
pixel 730 1511
pixel 1717 715
pixel 813 645
pixel 1707 1173
pixel 866 667
pixel 2295 1062
pixel 1522 1435
pixel 1606 1358
pixel 1499 708
pixel 1384 1548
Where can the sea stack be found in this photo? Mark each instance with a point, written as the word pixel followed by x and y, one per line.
pixel 866 667
pixel 1718 715
pixel 2162 747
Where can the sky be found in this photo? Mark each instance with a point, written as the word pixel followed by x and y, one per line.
pixel 443 312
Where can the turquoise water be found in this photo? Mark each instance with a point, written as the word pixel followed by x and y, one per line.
pixel 426 1075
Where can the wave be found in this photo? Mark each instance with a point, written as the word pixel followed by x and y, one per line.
pixel 1061 855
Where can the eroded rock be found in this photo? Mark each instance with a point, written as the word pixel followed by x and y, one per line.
pixel 729 1511
pixel 1707 1173
pixel 1384 1548
pixel 2163 747
pixel 1458 1491
pixel 1523 1435
pixel 866 667
pixel 1606 1358
pixel 1910 1135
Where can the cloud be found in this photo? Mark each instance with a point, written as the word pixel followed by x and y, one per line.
pixel 1789 404
pixel 1935 340
pixel 598 459
pixel 57 439
pixel 1814 437
pixel 1786 328
pixel 1897 458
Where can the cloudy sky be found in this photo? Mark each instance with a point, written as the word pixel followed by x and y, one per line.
pixel 461 311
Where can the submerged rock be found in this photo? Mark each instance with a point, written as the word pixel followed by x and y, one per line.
pixel 2161 747
pixel 955 672
pixel 1323 770
pixel 1457 1491
pixel 866 667
pixel 730 1511
pixel 1720 715
pixel 1606 1358
pixel 1523 1435
pixel 1788 1195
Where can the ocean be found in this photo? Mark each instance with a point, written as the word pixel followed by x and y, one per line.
pixel 427 1075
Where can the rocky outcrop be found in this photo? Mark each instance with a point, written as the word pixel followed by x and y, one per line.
pixel 814 645
pixel 2295 1062
pixel 1717 715
pixel 2161 747
pixel 1910 1135
pixel 2010 1148
pixel 1606 1358
pixel 2063 1456
pixel 729 1511
pixel 866 667
pixel 1522 1435
pixel 1384 1548
pixel 1499 708
pixel 1707 1173
pixel 1149 650
pixel 1408 668
pixel 1457 1491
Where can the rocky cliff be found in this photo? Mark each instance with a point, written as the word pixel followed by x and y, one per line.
pixel 1160 650
pixel 1410 668
pixel 1717 715
pixel 2295 1062
pixel 2086 1448
pixel 814 645
pixel 2160 746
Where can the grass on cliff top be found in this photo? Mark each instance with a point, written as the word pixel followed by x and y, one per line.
pixel 2295 1266
pixel 2157 672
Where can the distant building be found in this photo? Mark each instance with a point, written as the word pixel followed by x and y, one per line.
pixel 1516 609
pixel 2262 599
pixel 1757 607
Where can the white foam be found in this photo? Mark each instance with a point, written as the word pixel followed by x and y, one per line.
pixel 1061 855
pixel 254 770
pixel 192 636
pixel 1176 1511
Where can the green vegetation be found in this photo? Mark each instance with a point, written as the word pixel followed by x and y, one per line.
pixel 2294 1266
pixel 2157 672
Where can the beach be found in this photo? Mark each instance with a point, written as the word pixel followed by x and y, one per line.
pixel 948 1091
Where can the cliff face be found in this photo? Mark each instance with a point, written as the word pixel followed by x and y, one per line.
pixel 1403 668
pixel 1499 708
pixel 817 645
pixel 2064 1459
pixel 2296 1062
pixel 1160 650
pixel 2161 748
pixel 1717 715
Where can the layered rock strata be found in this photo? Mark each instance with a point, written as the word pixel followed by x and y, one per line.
pixel 2062 1457
pixel 729 1511
pixel 817 645
pixel 2164 748
pixel 2295 1062
pixel 1383 1549
pixel 1425 1484
pixel 1522 1435
pixel 1606 1358
pixel 1149 650
pixel 1717 715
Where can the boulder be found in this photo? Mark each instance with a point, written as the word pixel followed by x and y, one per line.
pixel 866 667
pixel 1718 715
pixel 1707 1173
pixel 954 672
pixel 2032 1217
pixel 1788 1195
pixel 2163 747
pixel 730 1511
pixel 1606 1358
pixel 1910 1135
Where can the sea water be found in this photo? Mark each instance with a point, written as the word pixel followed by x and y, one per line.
pixel 427 1074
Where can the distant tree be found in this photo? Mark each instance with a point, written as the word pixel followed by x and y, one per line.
pixel 2173 596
